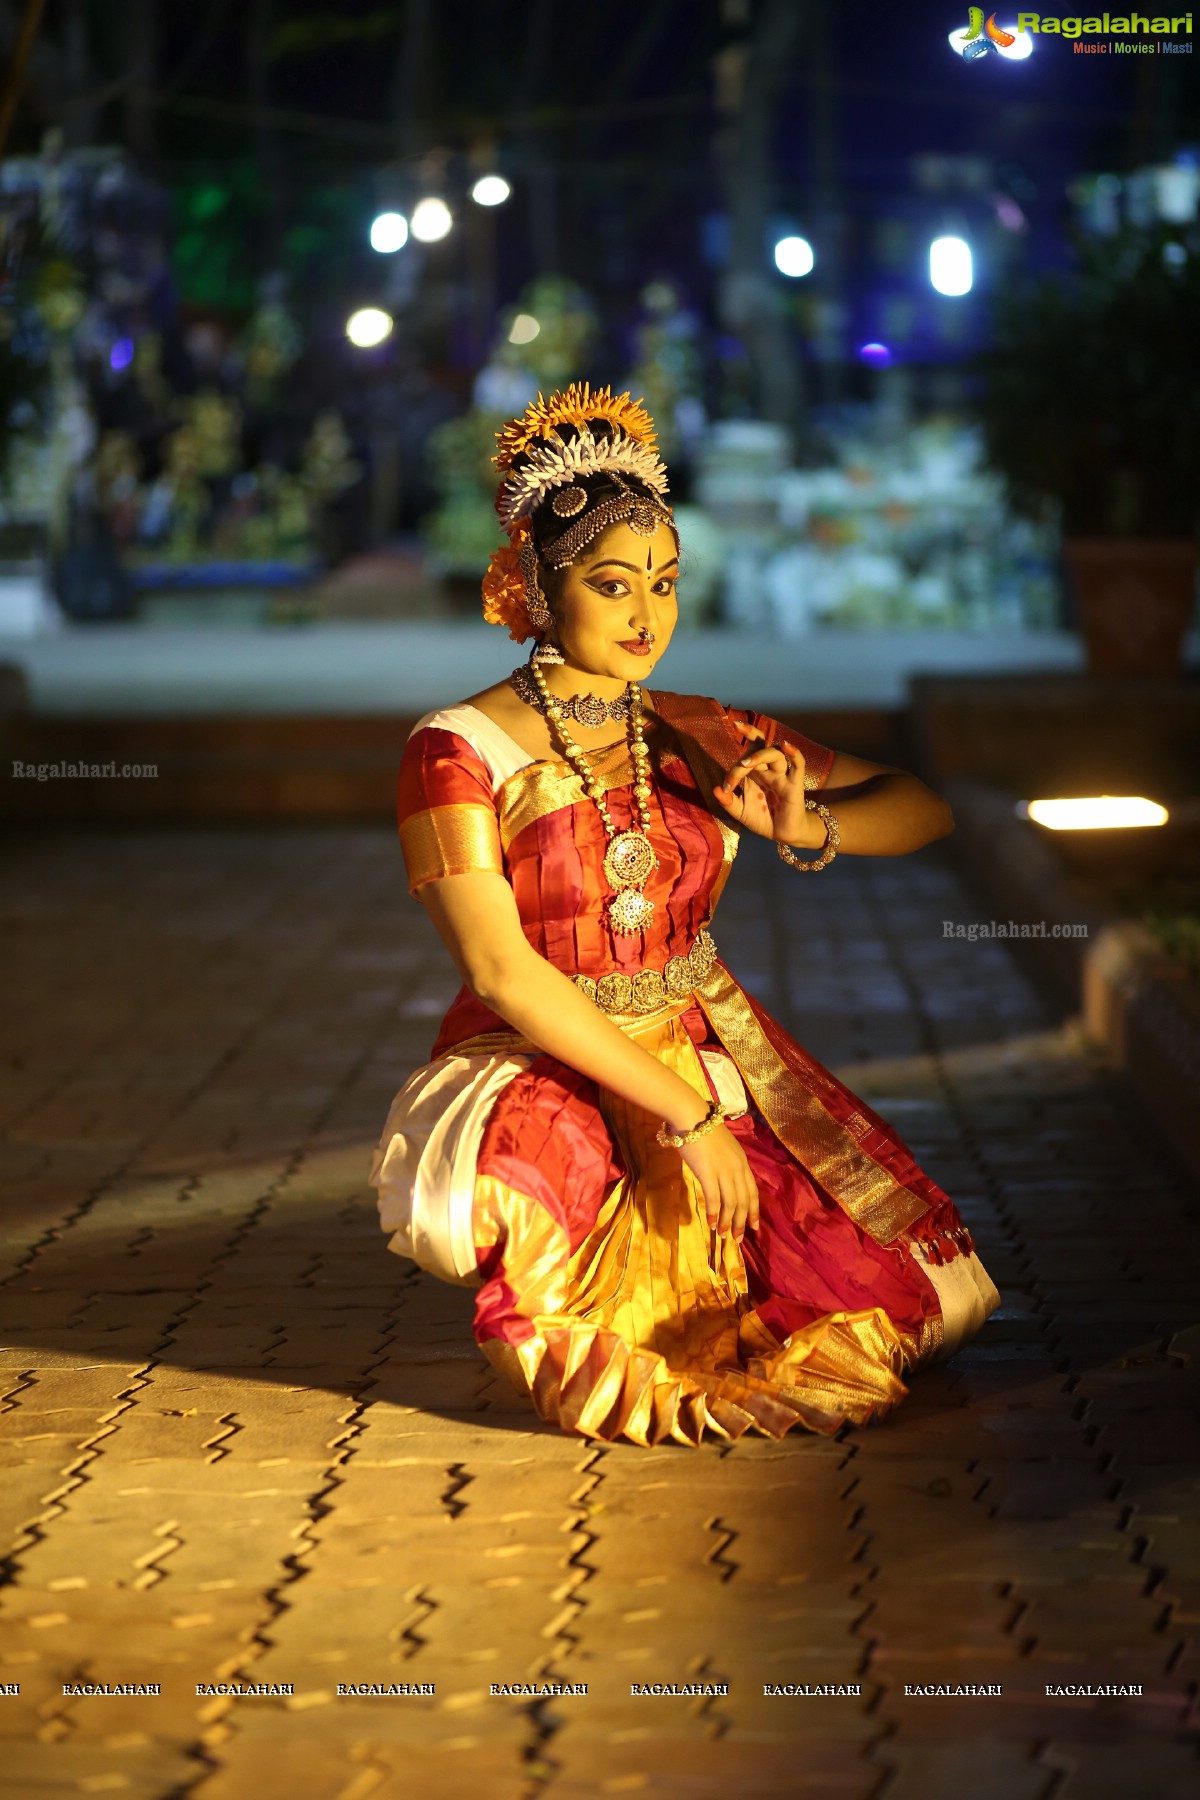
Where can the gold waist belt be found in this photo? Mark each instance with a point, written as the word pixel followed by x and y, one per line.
pixel 648 989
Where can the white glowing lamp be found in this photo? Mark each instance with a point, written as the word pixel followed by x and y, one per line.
pixel 431 220
pixel 490 190
pixel 794 257
pixel 368 326
pixel 389 233
pixel 951 269
pixel 1094 812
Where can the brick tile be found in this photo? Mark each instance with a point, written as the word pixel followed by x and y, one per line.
pixel 987 1769
pixel 321 1476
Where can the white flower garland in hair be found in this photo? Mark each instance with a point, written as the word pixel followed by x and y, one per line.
pixel 550 465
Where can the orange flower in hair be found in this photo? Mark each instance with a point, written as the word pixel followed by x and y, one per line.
pixel 504 588
pixel 575 405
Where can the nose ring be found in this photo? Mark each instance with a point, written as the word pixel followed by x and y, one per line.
pixel 647 637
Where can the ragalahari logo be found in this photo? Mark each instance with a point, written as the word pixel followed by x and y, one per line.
pixel 982 36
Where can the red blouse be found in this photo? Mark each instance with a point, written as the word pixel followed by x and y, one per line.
pixel 539 830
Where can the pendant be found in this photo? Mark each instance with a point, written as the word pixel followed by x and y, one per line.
pixel 590 710
pixel 629 860
pixel 630 911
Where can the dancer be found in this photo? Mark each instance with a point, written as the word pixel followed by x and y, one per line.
pixel 675 1219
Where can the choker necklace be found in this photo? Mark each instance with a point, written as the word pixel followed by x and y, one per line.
pixel 587 709
pixel 629 860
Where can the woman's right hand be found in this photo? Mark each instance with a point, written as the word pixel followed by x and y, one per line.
pixel 730 1191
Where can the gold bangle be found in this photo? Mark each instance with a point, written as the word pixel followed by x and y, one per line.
pixel 675 1140
pixel 832 840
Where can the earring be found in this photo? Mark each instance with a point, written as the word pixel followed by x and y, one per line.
pixel 546 653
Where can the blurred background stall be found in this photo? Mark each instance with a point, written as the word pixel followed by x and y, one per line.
pixel 914 312
pixel 913 298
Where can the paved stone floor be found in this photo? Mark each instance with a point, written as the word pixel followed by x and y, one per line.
pixel 243 1444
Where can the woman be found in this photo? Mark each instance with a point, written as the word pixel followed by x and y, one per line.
pixel 676 1218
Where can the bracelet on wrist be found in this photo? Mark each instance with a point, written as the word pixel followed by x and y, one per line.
pixel 675 1140
pixel 830 848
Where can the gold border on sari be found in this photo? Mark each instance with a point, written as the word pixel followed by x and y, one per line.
pixel 882 1206
pixel 542 788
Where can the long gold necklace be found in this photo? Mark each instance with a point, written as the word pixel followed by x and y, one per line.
pixel 629 860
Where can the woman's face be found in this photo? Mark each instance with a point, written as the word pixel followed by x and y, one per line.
pixel 622 584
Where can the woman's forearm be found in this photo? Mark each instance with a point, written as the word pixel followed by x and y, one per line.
pixel 886 815
pixel 545 1006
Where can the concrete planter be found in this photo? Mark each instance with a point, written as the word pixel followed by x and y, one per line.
pixel 1136 1004
pixel 1136 597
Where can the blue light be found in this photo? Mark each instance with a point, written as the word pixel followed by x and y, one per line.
pixel 121 354
pixel 876 356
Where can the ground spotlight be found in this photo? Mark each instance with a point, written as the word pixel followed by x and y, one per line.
pixel 1093 812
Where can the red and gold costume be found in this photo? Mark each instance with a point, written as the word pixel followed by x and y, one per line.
pixel 600 1287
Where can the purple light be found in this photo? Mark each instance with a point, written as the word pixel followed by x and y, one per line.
pixel 1009 212
pixel 876 356
pixel 121 354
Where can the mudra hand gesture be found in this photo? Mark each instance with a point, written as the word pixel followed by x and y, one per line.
pixel 764 790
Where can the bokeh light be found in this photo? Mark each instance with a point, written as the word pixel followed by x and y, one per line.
pixel 389 232
pixel 794 256
pixel 431 220
pixel 490 190
pixel 368 326
pixel 524 329
pixel 950 265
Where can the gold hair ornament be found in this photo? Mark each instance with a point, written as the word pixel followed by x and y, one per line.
pixel 549 461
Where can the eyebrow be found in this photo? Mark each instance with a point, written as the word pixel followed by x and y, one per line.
pixel 612 562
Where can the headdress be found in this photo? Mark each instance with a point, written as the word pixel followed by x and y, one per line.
pixel 606 434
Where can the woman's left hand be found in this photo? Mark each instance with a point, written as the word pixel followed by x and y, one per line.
pixel 764 791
